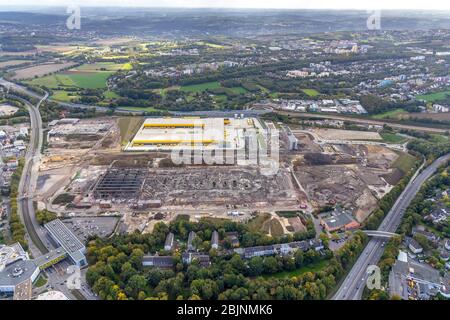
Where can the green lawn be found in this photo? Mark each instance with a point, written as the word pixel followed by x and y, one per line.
pixel 238 90
pixel 110 95
pixel 393 114
pixel 433 97
pixel 64 96
pixel 392 137
pixel 311 92
pixel 316 267
pixel 95 80
pixel 41 281
pixel 201 86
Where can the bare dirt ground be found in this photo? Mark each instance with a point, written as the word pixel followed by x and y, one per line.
pixel 40 70
pixel 336 134
pixel 443 116
pixel 18 53
pixel 12 63
pixel 348 175
pixel 113 41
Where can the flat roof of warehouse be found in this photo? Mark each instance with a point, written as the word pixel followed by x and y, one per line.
pixel 64 236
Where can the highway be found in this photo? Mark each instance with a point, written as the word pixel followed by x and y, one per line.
pixel 28 180
pixel 26 190
pixel 355 281
pixel 360 120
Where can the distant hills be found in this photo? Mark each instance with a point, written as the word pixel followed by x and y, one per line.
pixel 225 22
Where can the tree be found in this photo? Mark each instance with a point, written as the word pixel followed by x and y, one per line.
pixel 299 257
pixel 206 289
pixel 270 265
pixel 255 266
pixel 136 284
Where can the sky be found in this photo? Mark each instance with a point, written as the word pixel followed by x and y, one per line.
pixel 262 4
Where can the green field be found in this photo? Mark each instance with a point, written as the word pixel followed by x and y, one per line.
pixel 311 92
pixel 201 87
pixel 439 138
pixel 404 162
pixel 64 96
pixel 95 80
pixel 86 76
pixel 110 95
pixel 84 80
pixel 104 66
pixel 392 137
pixel 393 114
pixel 238 90
pixel 316 267
pixel 433 97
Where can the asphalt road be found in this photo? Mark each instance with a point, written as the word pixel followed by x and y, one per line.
pixel 26 209
pixel 355 281
pixel 360 120
pixel 29 175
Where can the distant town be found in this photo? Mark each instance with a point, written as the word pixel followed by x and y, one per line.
pixel 215 155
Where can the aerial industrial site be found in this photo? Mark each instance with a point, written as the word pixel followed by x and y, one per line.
pixel 183 154
pixel 85 170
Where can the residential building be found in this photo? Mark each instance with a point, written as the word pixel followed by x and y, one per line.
pixel 215 240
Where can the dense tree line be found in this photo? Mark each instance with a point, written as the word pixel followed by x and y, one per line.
pixel 116 270
pixel 15 224
pixel 44 216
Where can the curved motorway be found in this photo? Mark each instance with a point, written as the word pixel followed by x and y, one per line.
pixel 29 175
pixel 355 281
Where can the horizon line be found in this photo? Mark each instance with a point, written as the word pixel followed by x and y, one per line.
pixel 220 8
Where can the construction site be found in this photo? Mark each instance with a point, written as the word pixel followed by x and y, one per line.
pixel 107 170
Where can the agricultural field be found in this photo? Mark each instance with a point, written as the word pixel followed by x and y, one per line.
pixel 40 70
pixel 12 63
pixel 86 76
pixel 103 66
pixel 77 79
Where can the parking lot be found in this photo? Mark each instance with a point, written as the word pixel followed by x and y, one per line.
pixel 83 228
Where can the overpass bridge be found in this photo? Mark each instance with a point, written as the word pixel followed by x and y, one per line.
pixel 380 234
